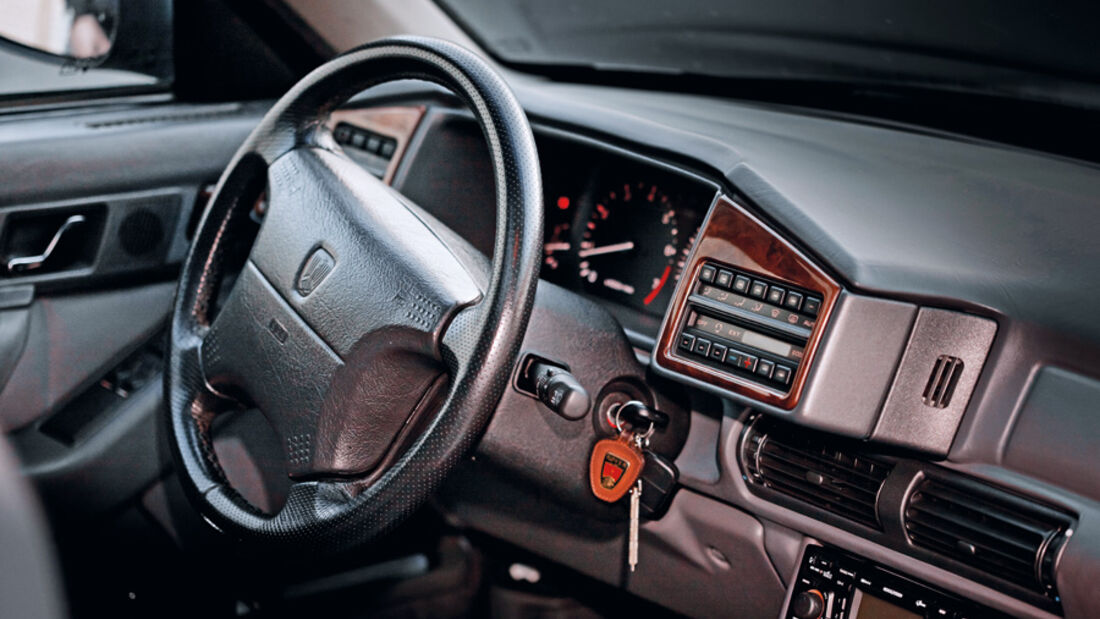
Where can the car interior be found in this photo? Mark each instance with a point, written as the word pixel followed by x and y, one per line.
pixel 509 308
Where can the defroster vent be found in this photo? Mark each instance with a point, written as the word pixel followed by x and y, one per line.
pixel 796 464
pixel 1007 536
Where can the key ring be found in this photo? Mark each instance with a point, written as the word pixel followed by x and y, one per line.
pixel 643 438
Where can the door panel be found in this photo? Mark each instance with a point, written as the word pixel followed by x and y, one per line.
pixel 80 354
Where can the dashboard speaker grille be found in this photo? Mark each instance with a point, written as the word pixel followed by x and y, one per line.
pixel 997 532
pixel 829 478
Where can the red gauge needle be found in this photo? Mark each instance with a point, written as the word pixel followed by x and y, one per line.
pixel 657 289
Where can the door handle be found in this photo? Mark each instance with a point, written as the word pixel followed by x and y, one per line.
pixel 30 263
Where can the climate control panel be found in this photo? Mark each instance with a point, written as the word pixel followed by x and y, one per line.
pixel 749 313
pixel 747 325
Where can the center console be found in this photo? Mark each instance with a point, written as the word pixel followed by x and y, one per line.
pixel 832 584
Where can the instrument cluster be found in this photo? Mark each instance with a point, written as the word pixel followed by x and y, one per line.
pixel 617 228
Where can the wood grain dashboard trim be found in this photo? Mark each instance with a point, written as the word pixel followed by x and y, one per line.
pixel 733 236
pixel 398 122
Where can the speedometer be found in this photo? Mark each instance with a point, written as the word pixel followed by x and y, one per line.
pixel 632 247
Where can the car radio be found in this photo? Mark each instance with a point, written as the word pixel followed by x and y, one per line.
pixel 833 584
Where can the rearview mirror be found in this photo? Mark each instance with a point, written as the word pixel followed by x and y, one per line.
pixel 76 31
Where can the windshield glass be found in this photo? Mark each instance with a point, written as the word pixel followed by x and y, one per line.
pixel 1041 51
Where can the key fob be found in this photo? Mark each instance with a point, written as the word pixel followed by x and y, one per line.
pixel 660 478
pixel 614 466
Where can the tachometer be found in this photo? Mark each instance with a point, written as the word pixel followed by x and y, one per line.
pixel 631 246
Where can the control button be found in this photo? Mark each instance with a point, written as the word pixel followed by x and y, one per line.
pixel 718 352
pixel 388 148
pixel 707 273
pixel 374 143
pixel 723 279
pixel 733 358
pixel 811 306
pixel 782 374
pixel 775 295
pixel 759 289
pixel 741 284
pixel 687 341
pixel 808 605
pixel 747 363
pixel 764 368
pixel 358 139
pixel 793 301
pixel 702 346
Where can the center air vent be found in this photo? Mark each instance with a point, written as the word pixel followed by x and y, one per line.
pixel 794 463
pixel 1002 534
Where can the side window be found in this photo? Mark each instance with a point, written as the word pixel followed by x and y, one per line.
pixel 66 47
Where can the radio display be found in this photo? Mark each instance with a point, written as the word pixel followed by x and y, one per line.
pixel 867 606
pixel 736 333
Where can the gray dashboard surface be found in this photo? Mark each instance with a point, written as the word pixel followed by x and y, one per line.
pixel 934 219
pixel 1056 432
pixel 892 211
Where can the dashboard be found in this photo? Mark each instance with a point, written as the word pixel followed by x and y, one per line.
pixel 860 400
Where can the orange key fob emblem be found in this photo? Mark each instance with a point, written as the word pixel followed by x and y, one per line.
pixel 615 465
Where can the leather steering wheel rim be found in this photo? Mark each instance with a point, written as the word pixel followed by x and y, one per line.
pixel 478 347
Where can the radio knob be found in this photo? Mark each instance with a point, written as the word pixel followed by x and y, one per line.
pixel 808 605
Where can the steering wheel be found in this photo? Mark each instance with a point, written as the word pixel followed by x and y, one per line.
pixel 375 341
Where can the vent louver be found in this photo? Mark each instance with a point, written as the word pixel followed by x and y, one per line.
pixel 942 381
pixel 832 479
pixel 1006 536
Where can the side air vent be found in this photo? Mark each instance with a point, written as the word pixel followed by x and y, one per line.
pixel 1009 537
pixel 942 381
pixel 793 463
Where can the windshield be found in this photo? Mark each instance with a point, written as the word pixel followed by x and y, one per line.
pixel 1039 51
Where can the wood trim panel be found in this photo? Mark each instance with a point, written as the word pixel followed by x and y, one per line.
pixel 734 236
pixel 398 122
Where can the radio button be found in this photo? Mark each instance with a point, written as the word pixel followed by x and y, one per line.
pixel 707 273
pixel 793 301
pixel 775 295
pixel 687 342
pixel 782 374
pixel 811 306
pixel 702 346
pixel 718 352
pixel 764 368
pixel 733 358
pixel 723 279
pixel 747 363
pixel 759 289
